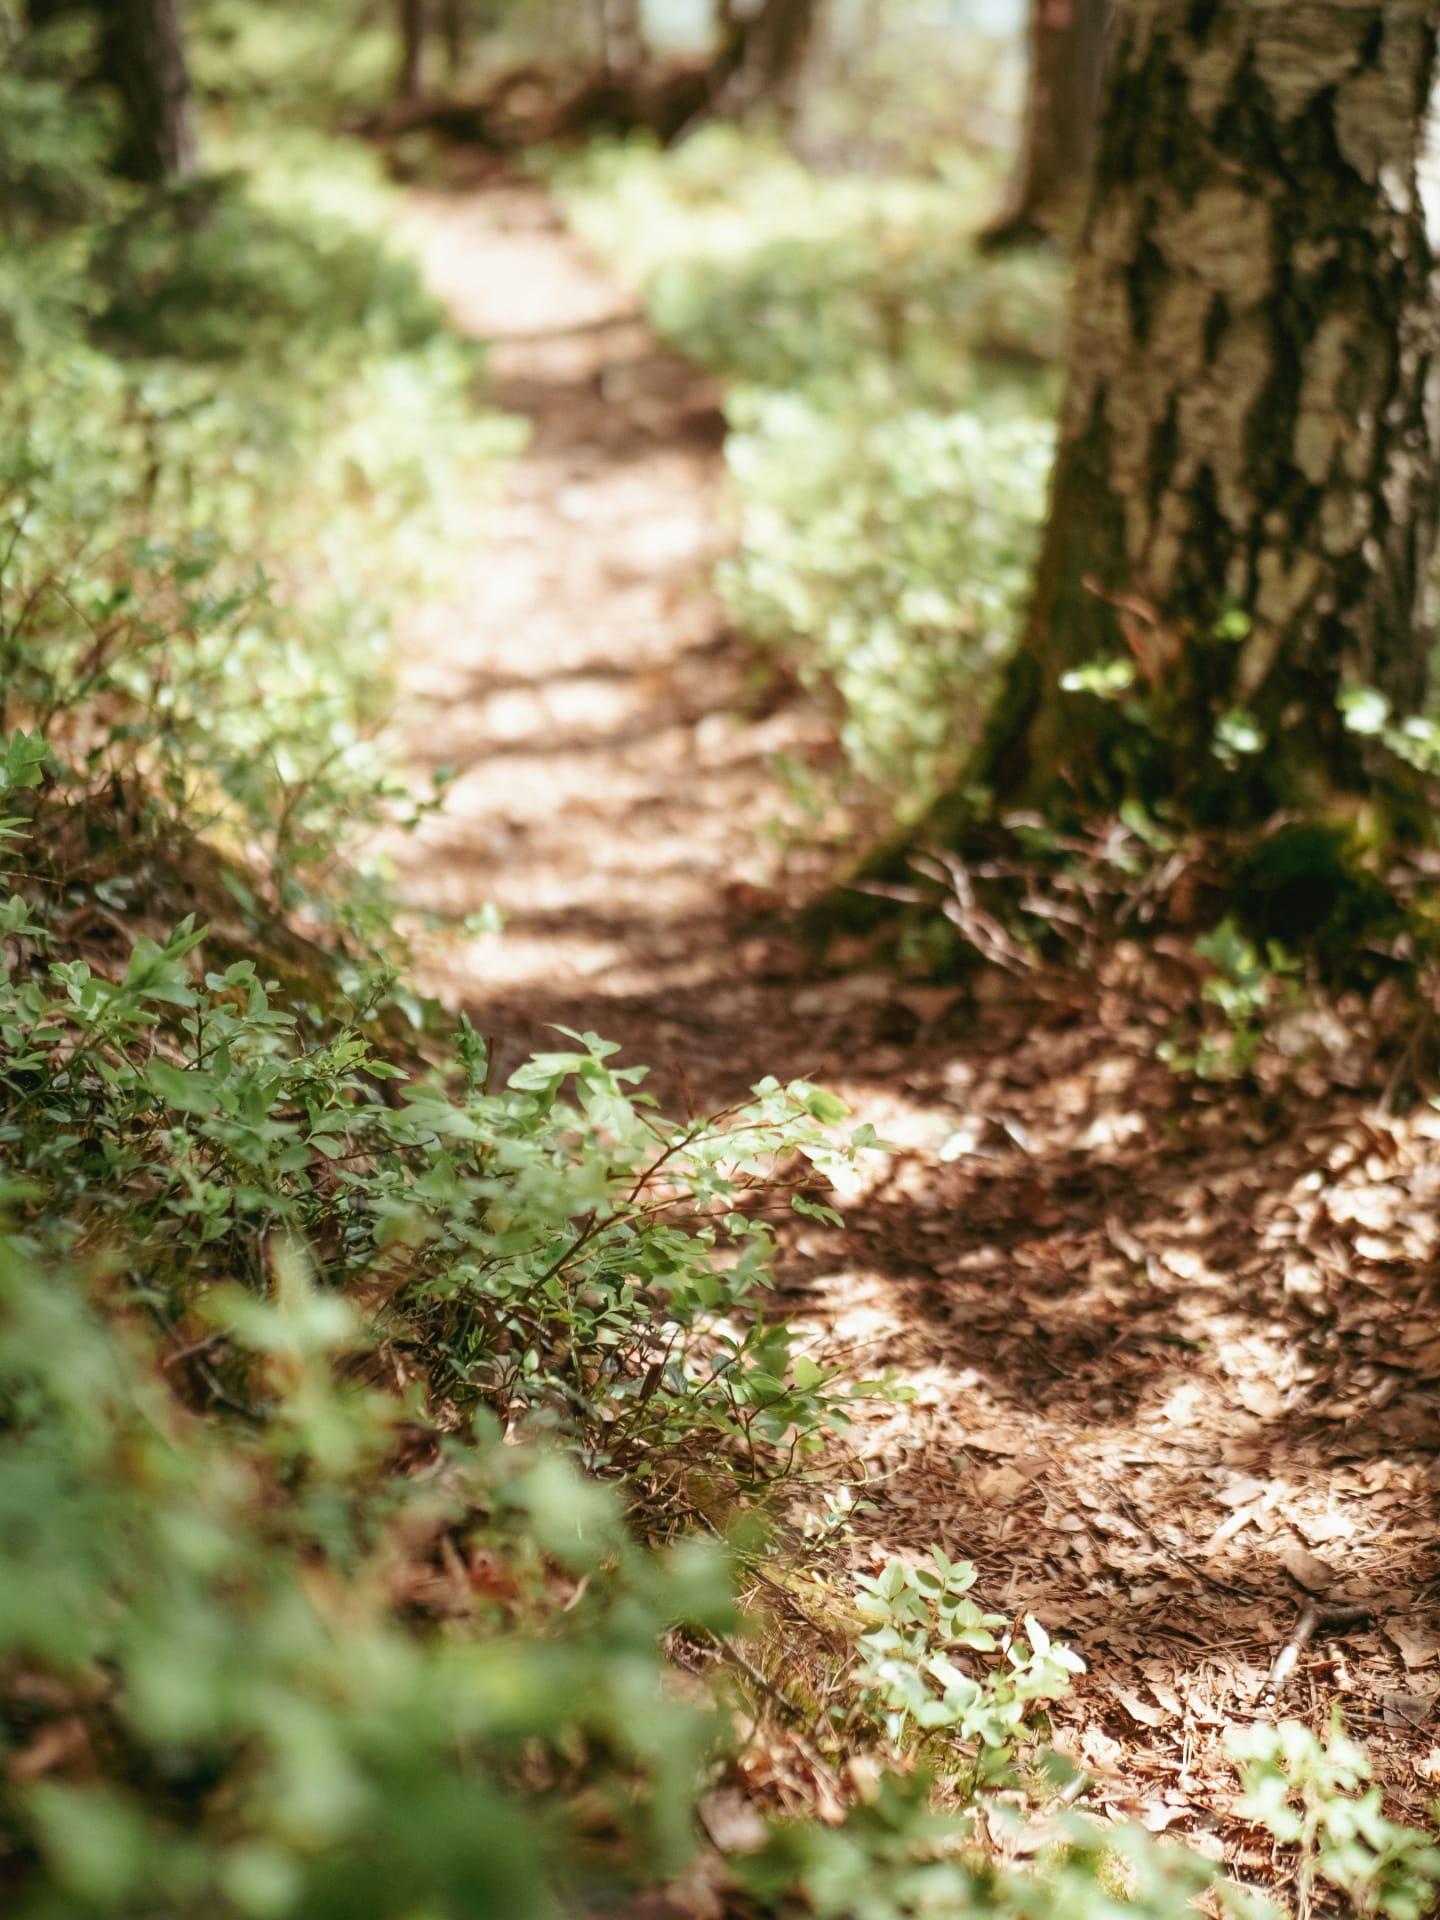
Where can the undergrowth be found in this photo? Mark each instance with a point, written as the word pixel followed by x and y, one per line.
pixel 347 1400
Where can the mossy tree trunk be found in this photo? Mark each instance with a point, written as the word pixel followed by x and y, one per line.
pixel 1062 99
pixel 1243 508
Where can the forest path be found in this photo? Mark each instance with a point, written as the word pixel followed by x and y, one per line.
pixel 1166 1386
pixel 612 791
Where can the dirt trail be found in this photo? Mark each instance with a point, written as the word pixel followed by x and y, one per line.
pixel 613 792
pixel 1175 1351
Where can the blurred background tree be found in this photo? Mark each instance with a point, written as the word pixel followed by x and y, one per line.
pixel 140 54
pixel 1067 43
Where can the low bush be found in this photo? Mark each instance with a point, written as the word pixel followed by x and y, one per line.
pixel 340 1389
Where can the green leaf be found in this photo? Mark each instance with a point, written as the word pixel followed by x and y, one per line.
pixel 190 1092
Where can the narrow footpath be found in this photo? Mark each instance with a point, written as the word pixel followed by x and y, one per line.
pixel 1174 1350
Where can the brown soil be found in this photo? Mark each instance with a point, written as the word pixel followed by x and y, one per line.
pixel 1175 1348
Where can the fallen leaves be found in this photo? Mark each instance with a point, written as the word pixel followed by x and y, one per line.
pixel 1184 1374
pixel 1307 1569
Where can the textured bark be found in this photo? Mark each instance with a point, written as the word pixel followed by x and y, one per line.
pixel 1250 424
pixel 1067 58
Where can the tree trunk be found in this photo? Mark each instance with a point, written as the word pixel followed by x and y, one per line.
pixel 766 57
pixel 1243 509
pixel 410 21
pixel 1067 58
pixel 142 56
pixel 452 29
pixel 622 41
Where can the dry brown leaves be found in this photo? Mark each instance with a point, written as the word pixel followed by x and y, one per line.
pixel 1176 1350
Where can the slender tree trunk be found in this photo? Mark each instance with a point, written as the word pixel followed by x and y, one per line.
pixel 1067 59
pixel 141 54
pixel 622 39
pixel 452 28
pixel 765 59
pixel 1244 503
pixel 410 22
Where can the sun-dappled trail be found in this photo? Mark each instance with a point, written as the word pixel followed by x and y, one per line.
pixel 1175 1355
pixel 611 788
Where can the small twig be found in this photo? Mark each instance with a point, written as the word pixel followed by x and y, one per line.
pixel 1313 1619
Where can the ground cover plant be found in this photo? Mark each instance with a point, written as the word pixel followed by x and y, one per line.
pixel 277 1285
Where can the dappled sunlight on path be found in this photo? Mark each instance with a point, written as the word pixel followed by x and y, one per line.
pixel 581 681
pixel 1176 1354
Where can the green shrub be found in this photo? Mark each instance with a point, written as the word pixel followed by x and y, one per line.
pixel 1315 1796
pixel 891 557
pixel 53 139
pixel 197 564
pixel 231 1677
pixel 290 1620
pixel 206 272
pixel 899 1856
pixel 265 65
pixel 921 1622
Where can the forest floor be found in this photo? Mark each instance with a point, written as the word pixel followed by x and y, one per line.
pixel 1175 1346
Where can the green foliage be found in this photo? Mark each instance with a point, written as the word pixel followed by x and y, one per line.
pixel 900 1857
pixel 1414 739
pixel 1105 679
pixel 923 1623
pixel 302 1609
pixel 892 556
pixel 891 423
pixel 1314 1796
pixel 140 630
pixel 544 1248
pixel 1247 986
pixel 208 271
pixel 225 1206
pixel 781 277
pixel 263 63
pixel 52 144
pixel 268 1288
pixel 219 1697
pixel 940 1676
